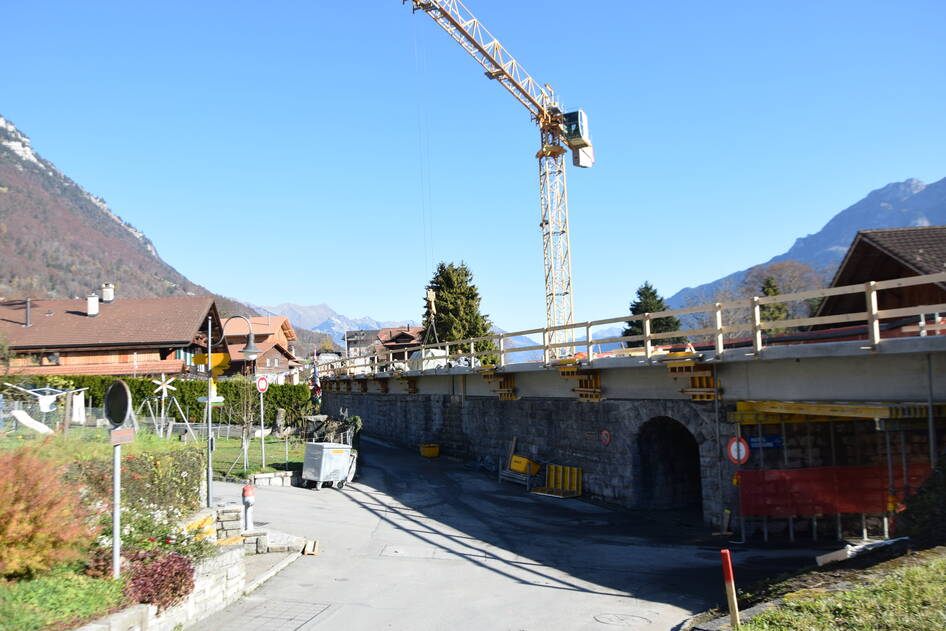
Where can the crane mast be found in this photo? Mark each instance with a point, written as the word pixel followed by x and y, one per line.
pixel 555 133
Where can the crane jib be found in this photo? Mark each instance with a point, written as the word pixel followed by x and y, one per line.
pixel 556 129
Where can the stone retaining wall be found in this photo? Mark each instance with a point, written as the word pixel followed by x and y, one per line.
pixel 278 478
pixel 567 432
pixel 218 582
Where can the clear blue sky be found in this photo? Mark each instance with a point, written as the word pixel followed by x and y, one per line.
pixel 315 144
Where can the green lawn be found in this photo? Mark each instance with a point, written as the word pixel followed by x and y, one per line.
pixel 228 451
pixel 908 599
pixel 83 443
pixel 60 598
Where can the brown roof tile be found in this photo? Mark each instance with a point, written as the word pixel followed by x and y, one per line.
pixel 922 248
pixel 124 322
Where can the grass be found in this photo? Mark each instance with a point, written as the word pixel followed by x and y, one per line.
pixel 86 443
pixel 59 599
pixel 229 450
pixel 908 599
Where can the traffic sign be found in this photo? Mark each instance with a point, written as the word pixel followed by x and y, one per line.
pixel 262 384
pixel 122 436
pixel 605 437
pixel 117 403
pixel 737 450
pixel 217 360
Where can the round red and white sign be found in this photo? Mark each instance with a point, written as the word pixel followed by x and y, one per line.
pixel 605 437
pixel 737 450
pixel 262 384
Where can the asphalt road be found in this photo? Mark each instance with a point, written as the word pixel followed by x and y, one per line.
pixel 417 544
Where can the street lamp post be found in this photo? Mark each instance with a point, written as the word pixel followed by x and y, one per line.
pixel 250 353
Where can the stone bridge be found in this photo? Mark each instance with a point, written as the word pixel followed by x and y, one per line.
pixel 652 432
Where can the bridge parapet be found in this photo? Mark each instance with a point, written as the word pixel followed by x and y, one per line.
pixel 723 331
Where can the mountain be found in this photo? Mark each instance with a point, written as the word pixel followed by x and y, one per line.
pixel 57 240
pixel 323 319
pixel 897 205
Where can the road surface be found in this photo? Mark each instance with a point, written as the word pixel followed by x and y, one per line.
pixel 417 544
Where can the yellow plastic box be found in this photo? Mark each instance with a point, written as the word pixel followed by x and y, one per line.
pixel 521 465
pixel 430 450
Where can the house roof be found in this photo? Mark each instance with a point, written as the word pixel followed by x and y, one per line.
pixel 390 335
pixel 884 254
pixel 264 347
pixel 172 321
pixel 922 249
pixel 262 325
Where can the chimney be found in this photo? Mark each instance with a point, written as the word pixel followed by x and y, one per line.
pixel 29 320
pixel 108 292
pixel 93 305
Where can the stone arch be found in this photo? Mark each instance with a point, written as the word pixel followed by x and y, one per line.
pixel 670 472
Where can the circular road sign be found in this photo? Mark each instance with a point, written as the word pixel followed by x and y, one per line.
pixel 117 403
pixel 737 450
pixel 605 437
pixel 262 384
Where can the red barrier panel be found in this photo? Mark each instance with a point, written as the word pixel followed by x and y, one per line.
pixel 822 490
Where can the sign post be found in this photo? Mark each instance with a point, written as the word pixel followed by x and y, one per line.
pixel 262 384
pixel 117 411
pixel 737 450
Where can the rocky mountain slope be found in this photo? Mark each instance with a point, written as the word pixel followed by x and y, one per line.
pixel 57 240
pixel 896 205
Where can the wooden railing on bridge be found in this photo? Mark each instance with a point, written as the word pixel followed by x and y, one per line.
pixel 466 350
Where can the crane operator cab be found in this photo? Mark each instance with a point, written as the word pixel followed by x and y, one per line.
pixel 578 137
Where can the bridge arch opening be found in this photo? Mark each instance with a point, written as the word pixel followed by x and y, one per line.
pixel 669 466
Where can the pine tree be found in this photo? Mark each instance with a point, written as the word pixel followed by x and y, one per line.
pixel 458 314
pixel 773 311
pixel 649 301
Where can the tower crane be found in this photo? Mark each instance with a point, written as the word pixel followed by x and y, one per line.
pixel 557 129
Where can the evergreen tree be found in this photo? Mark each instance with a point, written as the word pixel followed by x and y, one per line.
pixel 773 311
pixel 457 303
pixel 649 301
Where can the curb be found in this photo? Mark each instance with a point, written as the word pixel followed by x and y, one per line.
pixel 271 572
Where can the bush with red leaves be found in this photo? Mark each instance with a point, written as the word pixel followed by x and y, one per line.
pixel 160 579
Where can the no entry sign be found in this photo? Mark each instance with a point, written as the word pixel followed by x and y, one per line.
pixel 737 450
pixel 262 384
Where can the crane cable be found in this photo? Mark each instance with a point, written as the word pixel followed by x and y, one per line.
pixel 423 150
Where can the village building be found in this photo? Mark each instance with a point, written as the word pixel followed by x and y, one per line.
pixel 273 336
pixel 885 254
pixel 126 336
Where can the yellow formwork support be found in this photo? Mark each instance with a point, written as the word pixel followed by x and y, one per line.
pixel 842 410
pixel 561 481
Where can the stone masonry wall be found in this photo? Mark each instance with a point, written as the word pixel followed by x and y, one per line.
pixel 218 582
pixel 550 430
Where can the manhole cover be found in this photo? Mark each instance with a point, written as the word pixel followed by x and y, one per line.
pixel 622 619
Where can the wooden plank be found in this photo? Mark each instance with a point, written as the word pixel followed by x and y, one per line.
pixel 511 452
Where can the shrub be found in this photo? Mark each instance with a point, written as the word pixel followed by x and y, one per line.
pixel 924 519
pixel 151 528
pixel 59 598
pixel 44 523
pixel 170 480
pixel 161 580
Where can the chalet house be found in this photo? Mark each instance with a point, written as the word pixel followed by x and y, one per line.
pixel 273 336
pixel 886 254
pixel 395 340
pixel 126 336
